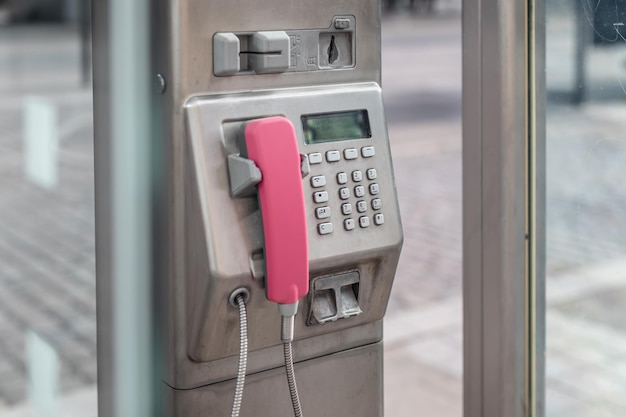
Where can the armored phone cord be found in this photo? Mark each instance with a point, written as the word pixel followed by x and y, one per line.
pixel 243 355
pixel 286 335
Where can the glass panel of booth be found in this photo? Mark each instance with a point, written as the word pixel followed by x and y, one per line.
pixel 422 90
pixel 585 208
pixel 47 255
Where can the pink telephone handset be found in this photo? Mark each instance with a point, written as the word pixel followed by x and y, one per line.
pixel 272 144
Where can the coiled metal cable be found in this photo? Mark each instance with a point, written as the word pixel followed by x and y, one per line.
pixel 287 324
pixel 243 355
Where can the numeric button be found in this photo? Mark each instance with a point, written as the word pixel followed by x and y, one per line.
pixel 364 221
pixel 359 191
pixel 377 204
pixel 374 189
pixel 320 196
pixel 344 193
pixel 361 206
pixel 372 174
pixel 318 181
pixel 346 208
pixel 342 178
pixel 357 176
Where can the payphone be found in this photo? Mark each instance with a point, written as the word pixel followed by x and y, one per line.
pixel 279 189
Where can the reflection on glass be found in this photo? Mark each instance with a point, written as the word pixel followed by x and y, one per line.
pixel 47 261
pixel 423 324
pixel 586 208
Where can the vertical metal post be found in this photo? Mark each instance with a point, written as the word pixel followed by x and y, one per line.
pixel 499 134
pixel 122 164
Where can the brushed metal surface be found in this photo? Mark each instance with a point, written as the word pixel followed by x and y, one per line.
pixel 347 383
pixel 195 324
pixel 223 233
pixel 495 268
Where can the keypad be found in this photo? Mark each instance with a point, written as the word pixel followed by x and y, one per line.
pixel 335 200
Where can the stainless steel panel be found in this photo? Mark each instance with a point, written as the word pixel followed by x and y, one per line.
pixel 182 34
pixel 223 234
pixel 347 383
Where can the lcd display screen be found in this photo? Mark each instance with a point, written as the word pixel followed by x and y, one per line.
pixel 331 127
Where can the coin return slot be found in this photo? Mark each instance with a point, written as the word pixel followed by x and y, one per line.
pixel 334 297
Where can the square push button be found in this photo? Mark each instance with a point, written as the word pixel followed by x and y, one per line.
pixel 325 228
pixel 320 196
pixel 318 181
pixel 348 224
pixel 368 151
pixel 364 221
pixel 333 156
pixel 350 153
pixel 315 158
pixel 322 212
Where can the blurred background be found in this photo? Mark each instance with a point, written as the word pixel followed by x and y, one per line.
pixel 47 261
pixel 586 207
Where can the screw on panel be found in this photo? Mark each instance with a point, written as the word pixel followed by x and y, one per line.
pixel 161 83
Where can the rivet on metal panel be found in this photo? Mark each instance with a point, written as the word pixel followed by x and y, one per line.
pixel 161 83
